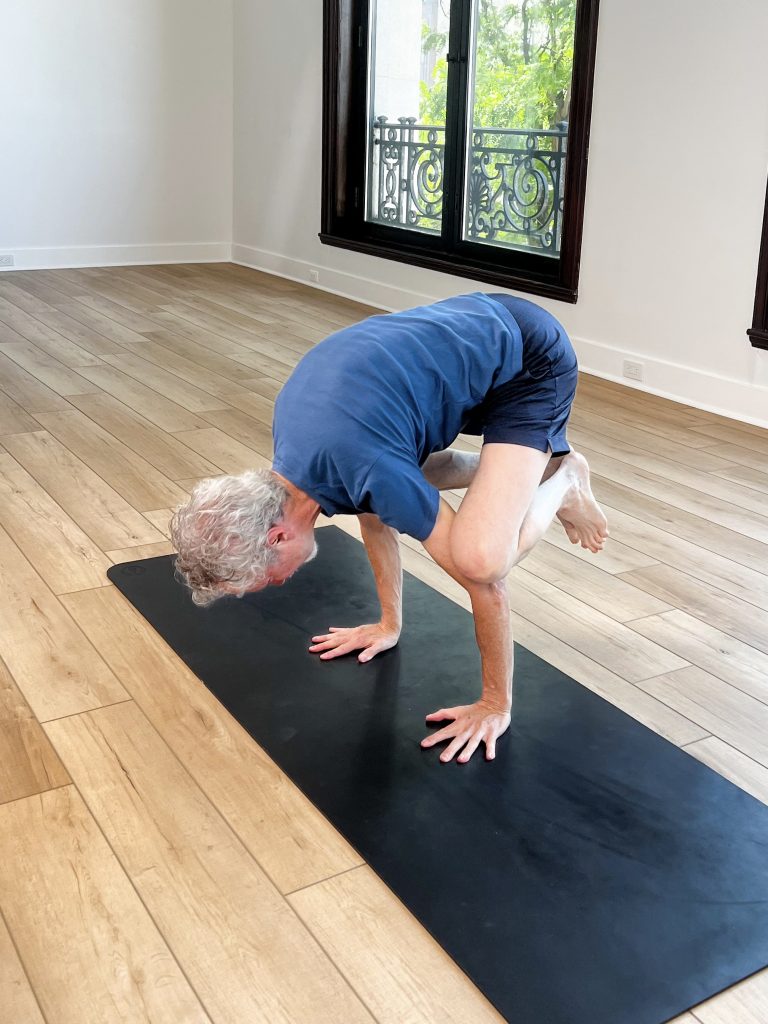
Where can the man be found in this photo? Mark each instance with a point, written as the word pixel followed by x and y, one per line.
pixel 364 425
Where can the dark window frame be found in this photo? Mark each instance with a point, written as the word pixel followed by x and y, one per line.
pixel 758 332
pixel 345 115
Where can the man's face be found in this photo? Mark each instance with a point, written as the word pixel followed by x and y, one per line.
pixel 291 552
pixel 291 555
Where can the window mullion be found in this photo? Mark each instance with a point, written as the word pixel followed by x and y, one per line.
pixel 455 123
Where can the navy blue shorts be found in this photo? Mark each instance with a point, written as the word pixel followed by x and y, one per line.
pixel 533 408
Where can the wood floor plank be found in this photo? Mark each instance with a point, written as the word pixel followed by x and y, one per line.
pixel 197 879
pixel 253 433
pixel 588 582
pixel 16 996
pixel 644 402
pixel 14 419
pixel 160 518
pixel 733 765
pixel 615 558
pixel 161 450
pixel 51 331
pixel 291 840
pixel 171 385
pixel 716 510
pixel 208 359
pixel 143 400
pixel 620 435
pixel 97 508
pixel 731 715
pixel 256 406
pixel 665 426
pixel 243 336
pixel 137 480
pixel 399 970
pixel 201 377
pixel 261 364
pixel 180 328
pixel 55 667
pixel 65 556
pixel 265 386
pixel 107 310
pixel 711 485
pixel 28 762
pixel 89 946
pixel 110 330
pixel 162 547
pixel 45 368
pixel 690 526
pixel 739 454
pixel 723 611
pixel 26 390
pixel 747 476
pixel 223 451
pixel 712 567
pixel 607 642
pixel 746 1003
pixel 736 434
pixel 709 648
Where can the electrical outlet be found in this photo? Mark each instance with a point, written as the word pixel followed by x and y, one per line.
pixel 633 371
pixel 314 275
pixel 6 261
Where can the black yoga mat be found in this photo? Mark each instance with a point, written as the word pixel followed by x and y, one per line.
pixel 592 874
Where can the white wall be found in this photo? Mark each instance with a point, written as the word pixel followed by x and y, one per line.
pixel 677 178
pixel 115 130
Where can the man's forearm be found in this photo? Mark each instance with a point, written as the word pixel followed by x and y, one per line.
pixel 383 549
pixel 490 607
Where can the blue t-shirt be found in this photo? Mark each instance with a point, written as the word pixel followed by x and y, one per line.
pixel 363 409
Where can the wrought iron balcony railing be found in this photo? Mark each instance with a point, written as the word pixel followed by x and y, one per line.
pixel 515 182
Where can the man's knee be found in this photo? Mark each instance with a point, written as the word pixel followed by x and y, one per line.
pixel 481 562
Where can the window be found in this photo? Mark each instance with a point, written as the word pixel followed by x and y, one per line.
pixel 758 333
pixel 455 135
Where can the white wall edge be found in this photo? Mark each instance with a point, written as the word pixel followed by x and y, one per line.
pixel 337 282
pixel 118 255
pixel 685 384
pixel 725 396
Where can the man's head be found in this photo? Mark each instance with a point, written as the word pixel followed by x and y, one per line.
pixel 236 534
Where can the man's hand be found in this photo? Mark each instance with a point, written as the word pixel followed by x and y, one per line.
pixel 371 639
pixel 472 725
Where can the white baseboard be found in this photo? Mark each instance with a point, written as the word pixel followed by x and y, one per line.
pixel 729 397
pixel 726 396
pixel 337 282
pixel 118 255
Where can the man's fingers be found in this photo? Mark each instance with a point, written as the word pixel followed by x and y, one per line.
pixel 454 747
pixel 341 649
pixel 442 734
pixel 490 747
pixel 372 651
pixel 471 747
pixel 440 716
pixel 326 645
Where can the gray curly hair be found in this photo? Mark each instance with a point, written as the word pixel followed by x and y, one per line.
pixel 221 533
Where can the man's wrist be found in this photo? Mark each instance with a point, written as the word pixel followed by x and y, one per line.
pixel 391 624
pixel 497 703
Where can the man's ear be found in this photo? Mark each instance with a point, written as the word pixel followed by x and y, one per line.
pixel 276 534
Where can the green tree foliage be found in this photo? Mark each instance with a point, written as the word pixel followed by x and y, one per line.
pixel 523 65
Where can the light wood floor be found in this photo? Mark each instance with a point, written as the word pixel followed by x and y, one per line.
pixel 155 865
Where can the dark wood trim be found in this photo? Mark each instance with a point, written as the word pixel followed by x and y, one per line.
pixel 447 265
pixel 585 55
pixel 758 333
pixel 344 157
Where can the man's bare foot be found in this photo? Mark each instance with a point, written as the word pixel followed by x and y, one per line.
pixel 581 516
